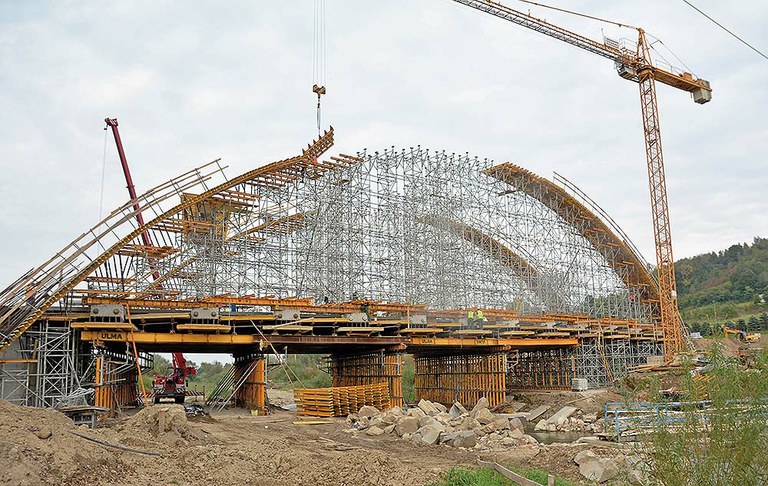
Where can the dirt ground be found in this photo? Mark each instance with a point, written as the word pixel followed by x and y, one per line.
pixel 37 446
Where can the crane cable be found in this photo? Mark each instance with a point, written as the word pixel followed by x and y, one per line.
pixel 319 56
pixel 579 14
pixel 725 29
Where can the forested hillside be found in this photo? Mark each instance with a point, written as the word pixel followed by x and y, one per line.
pixel 725 287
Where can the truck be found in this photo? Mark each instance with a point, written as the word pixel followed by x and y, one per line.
pixel 174 383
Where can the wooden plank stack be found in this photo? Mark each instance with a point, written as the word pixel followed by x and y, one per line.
pixel 339 401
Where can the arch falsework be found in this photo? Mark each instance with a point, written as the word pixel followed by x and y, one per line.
pixel 617 252
pixel 27 299
pixel 395 227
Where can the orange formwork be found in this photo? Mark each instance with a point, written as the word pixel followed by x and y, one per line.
pixel 340 401
pixel 252 393
pixel 115 386
pixel 370 369
pixel 463 378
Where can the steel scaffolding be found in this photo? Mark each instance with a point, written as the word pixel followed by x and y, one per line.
pixel 429 229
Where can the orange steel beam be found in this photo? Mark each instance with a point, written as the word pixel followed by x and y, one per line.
pixel 250 339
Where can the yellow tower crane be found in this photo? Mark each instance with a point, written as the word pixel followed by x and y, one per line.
pixel 634 65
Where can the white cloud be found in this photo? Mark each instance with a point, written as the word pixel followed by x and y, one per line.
pixel 232 79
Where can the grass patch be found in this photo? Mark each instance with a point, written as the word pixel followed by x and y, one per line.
pixel 459 476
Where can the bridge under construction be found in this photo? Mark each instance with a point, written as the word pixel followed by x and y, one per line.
pixel 363 258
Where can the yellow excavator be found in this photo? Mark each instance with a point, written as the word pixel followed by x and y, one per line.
pixel 742 335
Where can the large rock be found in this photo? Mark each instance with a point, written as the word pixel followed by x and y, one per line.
pixel 500 423
pixel 537 412
pixel 516 423
pixel 599 470
pixel 516 433
pixel 374 430
pixel 440 407
pixel 407 425
pixel 465 438
pixel 457 410
pixel 368 411
pixel 541 425
pixel 430 434
pixel 585 456
pixel 469 423
pixel 562 414
pixel 416 412
pixel 481 404
pixel 427 407
pixel 389 418
pixel 484 416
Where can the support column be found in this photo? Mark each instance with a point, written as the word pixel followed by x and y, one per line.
pixel 370 369
pixel 251 375
pixel 465 378
pixel 545 369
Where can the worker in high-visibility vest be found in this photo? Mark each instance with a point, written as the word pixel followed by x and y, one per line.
pixel 470 319
pixel 480 319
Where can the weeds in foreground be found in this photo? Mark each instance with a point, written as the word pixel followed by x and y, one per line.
pixel 726 443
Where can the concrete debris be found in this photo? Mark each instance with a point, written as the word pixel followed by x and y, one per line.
pixel 481 404
pixel 407 425
pixel 537 412
pixel 561 415
pixel 457 410
pixel 594 468
pixel 484 416
pixel 427 407
pixel 368 411
pixel 432 424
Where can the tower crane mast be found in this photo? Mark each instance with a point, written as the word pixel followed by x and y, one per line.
pixel 634 65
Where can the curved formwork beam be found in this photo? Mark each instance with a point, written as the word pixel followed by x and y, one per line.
pixel 616 251
pixel 25 301
pixel 493 247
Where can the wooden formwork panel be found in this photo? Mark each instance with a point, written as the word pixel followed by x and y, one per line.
pixel 340 401
pixel 465 378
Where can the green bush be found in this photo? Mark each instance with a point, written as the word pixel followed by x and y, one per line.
pixel 726 445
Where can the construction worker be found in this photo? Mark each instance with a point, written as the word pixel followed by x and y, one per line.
pixel 480 319
pixel 470 319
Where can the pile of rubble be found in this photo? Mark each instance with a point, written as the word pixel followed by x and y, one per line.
pixel 570 419
pixel 433 423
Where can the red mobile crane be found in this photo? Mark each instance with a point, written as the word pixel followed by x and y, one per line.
pixel 174 383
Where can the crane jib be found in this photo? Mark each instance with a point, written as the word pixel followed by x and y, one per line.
pixel 628 63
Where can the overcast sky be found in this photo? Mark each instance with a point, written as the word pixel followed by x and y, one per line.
pixel 194 81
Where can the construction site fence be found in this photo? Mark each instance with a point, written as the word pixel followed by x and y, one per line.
pixel 340 401
pixel 629 420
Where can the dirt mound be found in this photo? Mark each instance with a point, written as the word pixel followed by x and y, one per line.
pixel 163 423
pixel 37 448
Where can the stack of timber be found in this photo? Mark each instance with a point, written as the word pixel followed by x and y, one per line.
pixel 340 401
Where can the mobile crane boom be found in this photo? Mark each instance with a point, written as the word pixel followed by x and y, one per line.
pixel 634 65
